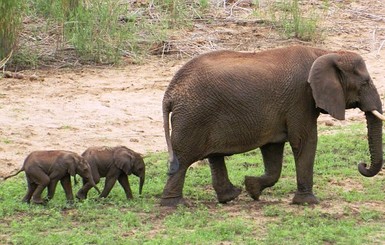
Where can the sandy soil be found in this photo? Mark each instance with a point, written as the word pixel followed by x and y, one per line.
pixel 76 108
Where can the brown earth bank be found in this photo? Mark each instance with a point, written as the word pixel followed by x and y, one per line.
pixel 76 108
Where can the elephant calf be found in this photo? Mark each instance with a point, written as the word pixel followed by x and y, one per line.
pixel 114 163
pixel 45 168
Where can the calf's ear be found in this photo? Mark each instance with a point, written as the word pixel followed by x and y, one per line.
pixel 124 161
pixel 72 165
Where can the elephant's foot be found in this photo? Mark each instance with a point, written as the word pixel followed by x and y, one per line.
pixel 81 195
pixel 173 202
pixel 26 200
pixel 253 187
pixel 129 197
pixel 39 201
pixel 228 195
pixel 304 198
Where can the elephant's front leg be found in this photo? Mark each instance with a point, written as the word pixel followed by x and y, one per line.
pixel 272 158
pixel 123 180
pixel 67 187
pixel 304 154
pixel 52 188
pixel 225 190
pixel 83 192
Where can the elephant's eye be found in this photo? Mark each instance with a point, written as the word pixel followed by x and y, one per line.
pixel 366 81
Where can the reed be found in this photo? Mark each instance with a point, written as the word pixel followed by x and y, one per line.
pixel 10 26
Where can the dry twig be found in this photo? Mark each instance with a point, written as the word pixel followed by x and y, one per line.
pixel 5 60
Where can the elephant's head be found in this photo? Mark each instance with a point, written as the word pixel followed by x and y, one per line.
pixel 131 163
pixel 78 165
pixel 341 81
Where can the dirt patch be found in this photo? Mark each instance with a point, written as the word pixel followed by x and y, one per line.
pixel 76 108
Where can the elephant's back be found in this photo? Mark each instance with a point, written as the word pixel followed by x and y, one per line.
pixel 99 157
pixel 238 72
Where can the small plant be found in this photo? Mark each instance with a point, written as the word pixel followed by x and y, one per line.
pixel 293 21
pixel 7 141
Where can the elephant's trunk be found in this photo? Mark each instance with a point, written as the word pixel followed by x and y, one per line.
pixel 375 146
pixel 97 189
pixel 141 183
pixel 92 183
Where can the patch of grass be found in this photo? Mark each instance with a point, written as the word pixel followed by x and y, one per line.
pixel 351 209
pixel 7 141
pixel 98 31
pixel 296 21
pixel 316 227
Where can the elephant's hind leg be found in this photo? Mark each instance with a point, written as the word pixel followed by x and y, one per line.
pixel 173 190
pixel 31 189
pixel 225 190
pixel 272 157
pixel 42 183
pixel 110 181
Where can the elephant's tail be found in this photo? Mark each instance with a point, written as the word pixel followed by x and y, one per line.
pixel 12 175
pixel 173 161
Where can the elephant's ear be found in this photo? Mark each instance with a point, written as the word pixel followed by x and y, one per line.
pixel 72 165
pixel 124 161
pixel 68 163
pixel 326 87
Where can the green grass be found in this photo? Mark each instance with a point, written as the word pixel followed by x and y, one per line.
pixel 351 210
pixel 294 19
pixel 91 32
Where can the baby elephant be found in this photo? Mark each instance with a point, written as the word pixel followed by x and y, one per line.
pixel 45 168
pixel 114 163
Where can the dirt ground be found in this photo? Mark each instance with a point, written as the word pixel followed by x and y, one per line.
pixel 73 109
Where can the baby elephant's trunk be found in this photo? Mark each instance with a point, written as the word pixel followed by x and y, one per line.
pixel 141 183
pixel 92 182
pixel 97 189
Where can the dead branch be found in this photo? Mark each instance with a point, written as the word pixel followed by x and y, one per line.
pixel 5 60
pixel 367 15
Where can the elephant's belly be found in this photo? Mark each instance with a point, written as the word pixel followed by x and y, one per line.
pixel 245 142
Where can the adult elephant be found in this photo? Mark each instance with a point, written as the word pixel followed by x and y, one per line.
pixel 226 102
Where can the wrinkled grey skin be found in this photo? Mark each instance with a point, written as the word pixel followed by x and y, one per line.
pixel 114 163
pixel 223 103
pixel 45 168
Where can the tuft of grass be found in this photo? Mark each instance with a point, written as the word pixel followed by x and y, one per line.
pixel 294 21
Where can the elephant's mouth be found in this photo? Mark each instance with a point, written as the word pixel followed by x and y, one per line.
pixel 353 105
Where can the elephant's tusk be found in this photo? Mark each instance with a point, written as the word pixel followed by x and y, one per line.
pixel 378 115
